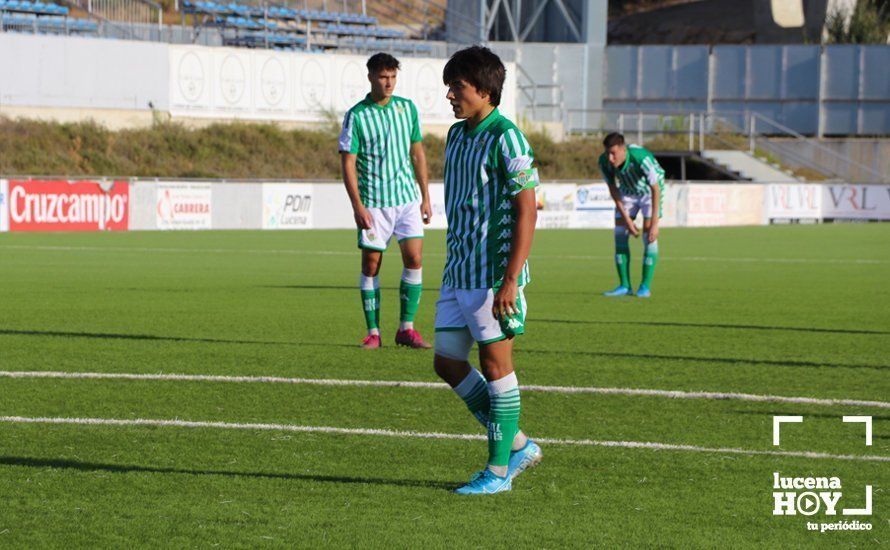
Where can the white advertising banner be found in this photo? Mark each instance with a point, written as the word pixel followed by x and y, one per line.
pixel 787 202
pixel 437 203
pixel 4 205
pixel 183 205
pixel 240 83
pixel 594 207
pixel 288 205
pixel 556 205
pixel 856 202
pixel 724 205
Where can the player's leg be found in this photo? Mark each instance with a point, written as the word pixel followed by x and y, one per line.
pixel 650 252
pixel 369 285
pixel 451 362
pixel 622 250
pixel 372 243
pixel 510 450
pixel 409 231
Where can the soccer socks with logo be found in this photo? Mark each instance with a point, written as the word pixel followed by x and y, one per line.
pixel 650 258
pixel 474 391
pixel 622 255
pixel 409 296
pixel 503 421
pixel 370 290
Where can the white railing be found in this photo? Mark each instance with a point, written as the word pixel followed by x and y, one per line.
pixel 757 135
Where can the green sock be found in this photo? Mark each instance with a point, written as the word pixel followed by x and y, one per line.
pixel 503 421
pixel 650 259
pixel 474 391
pixel 371 307
pixel 409 300
pixel 622 256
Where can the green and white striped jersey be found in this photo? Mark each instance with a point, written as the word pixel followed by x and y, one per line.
pixel 639 171
pixel 484 169
pixel 381 139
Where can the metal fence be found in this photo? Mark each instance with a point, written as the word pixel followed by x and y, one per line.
pixel 812 90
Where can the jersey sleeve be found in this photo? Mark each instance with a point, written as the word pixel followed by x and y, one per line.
pixel 608 175
pixel 348 142
pixel 518 160
pixel 654 172
pixel 416 136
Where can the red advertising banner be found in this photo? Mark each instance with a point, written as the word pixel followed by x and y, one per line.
pixel 68 206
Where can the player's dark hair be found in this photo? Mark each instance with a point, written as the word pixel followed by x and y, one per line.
pixel 480 67
pixel 613 139
pixel 383 62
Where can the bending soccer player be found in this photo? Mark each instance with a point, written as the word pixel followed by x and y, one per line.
pixel 491 209
pixel 636 183
pixel 381 153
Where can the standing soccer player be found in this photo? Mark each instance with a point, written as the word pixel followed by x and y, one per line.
pixel 491 209
pixel 636 183
pixel 381 153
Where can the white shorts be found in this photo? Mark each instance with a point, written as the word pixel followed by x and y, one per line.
pixel 403 221
pixel 470 310
pixel 635 204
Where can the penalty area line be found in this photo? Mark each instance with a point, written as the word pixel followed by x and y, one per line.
pixel 634 392
pixel 142 422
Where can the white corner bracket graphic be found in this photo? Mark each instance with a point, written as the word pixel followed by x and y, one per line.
pixel 861 511
pixel 865 420
pixel 777 425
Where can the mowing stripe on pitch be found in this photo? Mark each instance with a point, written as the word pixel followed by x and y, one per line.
pixel 427 435
pixel 672 394
pixel 433 254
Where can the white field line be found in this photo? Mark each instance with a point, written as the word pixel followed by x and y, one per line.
pixel 672 394
pixel 427 435
pixel 430 254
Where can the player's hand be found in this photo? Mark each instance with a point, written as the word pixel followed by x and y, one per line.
pixel 426 211
pixel 653 233
pixel 363 219
pixel 505 300
pixel 632 227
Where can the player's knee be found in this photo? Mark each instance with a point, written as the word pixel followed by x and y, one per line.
pixel 452 345
pixel 622 233
pixel 413 261
pixel 370 266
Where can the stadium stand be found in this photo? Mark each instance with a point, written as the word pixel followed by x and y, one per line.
pixel 41 17
pixel 281 27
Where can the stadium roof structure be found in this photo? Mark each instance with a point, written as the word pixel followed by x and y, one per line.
pixel 723 22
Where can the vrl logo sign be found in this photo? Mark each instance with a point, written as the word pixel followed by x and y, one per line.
pixel 857 197
pixel 814 494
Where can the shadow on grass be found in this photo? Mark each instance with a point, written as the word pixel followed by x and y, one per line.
pixel 130 468
pixel 153 337
pixel 643 356
pixel 352 288
pixel 720 360
pixel 714 325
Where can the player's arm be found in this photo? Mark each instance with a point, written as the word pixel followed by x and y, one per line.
pixel 348 144
pixel 363 218
pixel 418 159
pixel 525 207
pixel 656 197
pixel 654 179
pixel 517 162
pixel 619 204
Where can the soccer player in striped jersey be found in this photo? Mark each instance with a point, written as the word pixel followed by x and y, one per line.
pixel 491 209
pixel 381 153
pixel 636 183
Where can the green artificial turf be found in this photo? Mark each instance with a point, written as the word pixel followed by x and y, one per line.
pixel 798 311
